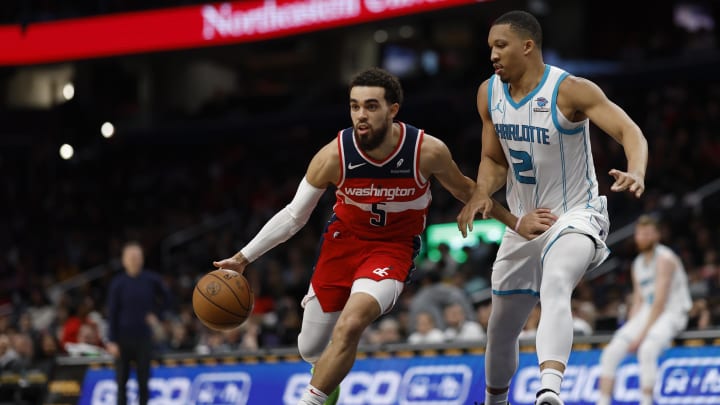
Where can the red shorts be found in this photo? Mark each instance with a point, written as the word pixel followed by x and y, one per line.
pixel 344 258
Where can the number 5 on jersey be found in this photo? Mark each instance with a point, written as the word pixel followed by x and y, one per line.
pixel 379 215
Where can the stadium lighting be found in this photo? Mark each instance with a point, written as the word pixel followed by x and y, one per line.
pixel 107 130
pixel 380 36
pixel 406 31
pixel 68 91
pixel 66 151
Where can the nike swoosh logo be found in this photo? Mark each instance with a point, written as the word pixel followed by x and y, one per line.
pixel 352 166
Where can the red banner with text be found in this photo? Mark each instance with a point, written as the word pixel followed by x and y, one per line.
pixel 193 26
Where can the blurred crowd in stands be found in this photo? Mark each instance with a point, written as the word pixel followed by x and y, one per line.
pixel 222 192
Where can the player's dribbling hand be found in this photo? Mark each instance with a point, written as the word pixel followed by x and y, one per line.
pixel 237 262
pixel 627 181
pixel 535 223
pixel 476 205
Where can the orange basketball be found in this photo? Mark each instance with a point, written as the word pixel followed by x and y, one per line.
pixel 223 299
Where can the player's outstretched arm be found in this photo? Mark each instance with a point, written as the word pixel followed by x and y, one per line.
pixel 323 170
pixel 588 99
pixel 436 160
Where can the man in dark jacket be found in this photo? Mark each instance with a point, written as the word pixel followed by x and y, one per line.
pixel 135 297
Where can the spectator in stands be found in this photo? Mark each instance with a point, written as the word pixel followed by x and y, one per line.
pixel 24 325
pixel 699 316
pixel 88 343
pixel 433 296
pixel 388 331
pixel 482 313
pixel 8 355
pixel 180 339
pixel 425 330
pixel 23 345
pixel 458 327
pixel 47 349
pixel 213 343
pixel 27 391
pixel 446 265
pixel 40 310
pixel 132 303
pixel 73 322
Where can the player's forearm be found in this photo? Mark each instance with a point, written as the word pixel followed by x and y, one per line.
pixel 636 151
pixel 277 230
pixel 491 176
pixel 286 223
pixel 465 192
pixel 503 215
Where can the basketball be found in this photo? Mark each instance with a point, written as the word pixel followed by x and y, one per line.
pixel 223 299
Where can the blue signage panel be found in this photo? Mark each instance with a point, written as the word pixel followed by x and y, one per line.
pixel 686 376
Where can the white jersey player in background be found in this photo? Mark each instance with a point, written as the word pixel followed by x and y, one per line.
pixel 659 312
pixel 535 141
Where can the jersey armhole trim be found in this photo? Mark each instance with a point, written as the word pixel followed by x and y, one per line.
pixel 342 159
pixel 418 147
pixel 491 82
pixel 554 110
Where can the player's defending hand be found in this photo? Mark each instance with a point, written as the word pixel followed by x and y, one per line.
pixel 627 181
pixel 478 204
pixel 237 262
pixel 535 223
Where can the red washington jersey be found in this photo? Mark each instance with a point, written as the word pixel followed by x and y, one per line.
pixel 382 199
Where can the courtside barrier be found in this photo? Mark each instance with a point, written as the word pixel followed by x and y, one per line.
pixel 400 374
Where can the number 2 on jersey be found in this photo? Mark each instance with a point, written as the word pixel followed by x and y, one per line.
pixel 379 215
pixel 524 165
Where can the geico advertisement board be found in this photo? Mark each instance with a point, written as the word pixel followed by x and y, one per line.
pixel 686 376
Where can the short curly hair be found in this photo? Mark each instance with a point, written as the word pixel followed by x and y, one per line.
pixel 523 23
pixel 376 77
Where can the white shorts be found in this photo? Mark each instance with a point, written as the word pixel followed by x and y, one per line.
pixel 519 263
pixel 663 331
pixel 385 292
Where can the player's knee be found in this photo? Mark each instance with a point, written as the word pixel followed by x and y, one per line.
pixel 310 349
pixel 555 287
pixel 349 328
pixel 648 352
pixel 610 358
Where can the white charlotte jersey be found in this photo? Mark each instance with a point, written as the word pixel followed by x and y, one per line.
pixel 645 273
pixel 549 157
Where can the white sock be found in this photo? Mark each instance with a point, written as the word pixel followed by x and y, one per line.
pixel 603 400
pixel 646 399
pixel 312 396
pixel 551 379
pixel 496 399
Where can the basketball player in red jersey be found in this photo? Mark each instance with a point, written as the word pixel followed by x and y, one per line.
pixel 381 169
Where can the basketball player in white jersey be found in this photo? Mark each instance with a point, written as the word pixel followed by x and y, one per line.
pixel 536 142
pixel 659 312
